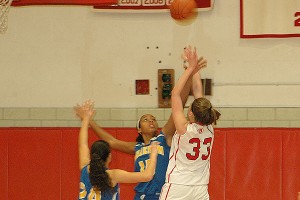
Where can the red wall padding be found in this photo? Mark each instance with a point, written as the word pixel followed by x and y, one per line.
pixel 246 164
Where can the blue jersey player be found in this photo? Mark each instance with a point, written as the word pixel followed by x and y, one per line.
pixel 96 180
pixel 151 190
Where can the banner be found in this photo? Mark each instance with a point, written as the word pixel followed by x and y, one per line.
pixel 203 5
pixel 269 18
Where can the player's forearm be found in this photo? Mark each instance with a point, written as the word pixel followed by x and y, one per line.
pixel 83 133
pixel 186 90
pixel 178 88
pixel 197 85
pixel 100 132
pixel 150 170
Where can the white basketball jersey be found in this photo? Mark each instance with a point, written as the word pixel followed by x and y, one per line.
pixel 189 162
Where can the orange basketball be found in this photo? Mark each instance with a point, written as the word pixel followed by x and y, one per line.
pixel 183 9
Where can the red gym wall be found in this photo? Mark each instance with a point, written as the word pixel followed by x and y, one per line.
pixel 261 164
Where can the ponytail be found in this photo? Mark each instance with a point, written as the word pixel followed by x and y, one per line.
pixel 99 178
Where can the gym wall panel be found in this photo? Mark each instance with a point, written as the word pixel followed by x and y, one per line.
pixel 290 164
pixel 4 164
pixel 69 164
pixel 34 164
pixel 126 160
pixel 253 164
pixel 246 164
pixel 218 166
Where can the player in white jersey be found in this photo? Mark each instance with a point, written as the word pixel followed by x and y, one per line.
pixel 187 175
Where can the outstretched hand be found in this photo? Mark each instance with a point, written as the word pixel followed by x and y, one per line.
pixel 86 110
pixel 190 55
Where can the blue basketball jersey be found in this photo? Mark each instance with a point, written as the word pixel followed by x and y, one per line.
pixel 87 192
pixel 151 190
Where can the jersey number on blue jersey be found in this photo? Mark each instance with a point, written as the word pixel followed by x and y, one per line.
pixel 143 164
pixel 93 195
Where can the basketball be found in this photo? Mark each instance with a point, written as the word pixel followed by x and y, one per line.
pixel 183 9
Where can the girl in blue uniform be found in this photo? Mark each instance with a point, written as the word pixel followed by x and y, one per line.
pixel 96 180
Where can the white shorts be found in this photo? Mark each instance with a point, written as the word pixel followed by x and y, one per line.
pixel 171 191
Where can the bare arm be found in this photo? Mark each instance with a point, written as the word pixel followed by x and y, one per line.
pixel 121 176
pixel 177 107
pixel 169 128
pixel 83 148
pixel 126 147
pixel 197 83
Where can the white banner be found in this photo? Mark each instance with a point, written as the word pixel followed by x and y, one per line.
pixel 269 18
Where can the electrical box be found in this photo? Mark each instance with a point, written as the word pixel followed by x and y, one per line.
pixel 165 86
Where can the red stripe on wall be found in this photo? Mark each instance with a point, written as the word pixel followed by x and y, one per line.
pixel 64 2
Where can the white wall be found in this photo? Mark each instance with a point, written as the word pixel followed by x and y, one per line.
pixel 55 56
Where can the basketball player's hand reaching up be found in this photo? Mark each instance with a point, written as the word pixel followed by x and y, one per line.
pixel 86 110
pixel 190 55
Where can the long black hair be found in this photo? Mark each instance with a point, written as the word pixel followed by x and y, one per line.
pixel 99 178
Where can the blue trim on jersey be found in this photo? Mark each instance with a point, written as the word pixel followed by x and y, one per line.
pixel 151 190
pixel 85 191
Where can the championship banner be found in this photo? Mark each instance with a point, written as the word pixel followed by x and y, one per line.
pixel 269 18
pixel 202 5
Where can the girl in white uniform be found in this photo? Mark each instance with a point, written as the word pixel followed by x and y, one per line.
pixel 187 175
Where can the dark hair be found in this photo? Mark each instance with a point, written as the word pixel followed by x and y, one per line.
pixel 139 138
pixel 204 112
pixel 100 180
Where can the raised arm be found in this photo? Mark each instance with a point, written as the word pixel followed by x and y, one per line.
pixel 169 128
pixel 83 149
pixel 121 176
pixel 126 147
pixel 197 83
pixel 191 56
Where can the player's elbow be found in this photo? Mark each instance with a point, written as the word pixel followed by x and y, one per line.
pixel 148 176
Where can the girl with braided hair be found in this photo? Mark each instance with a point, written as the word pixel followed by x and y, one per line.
pixel 96 180
pixel 187 174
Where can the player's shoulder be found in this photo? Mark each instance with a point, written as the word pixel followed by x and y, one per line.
pixel 159 137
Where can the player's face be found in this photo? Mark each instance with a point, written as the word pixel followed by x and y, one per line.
pixel 148 124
